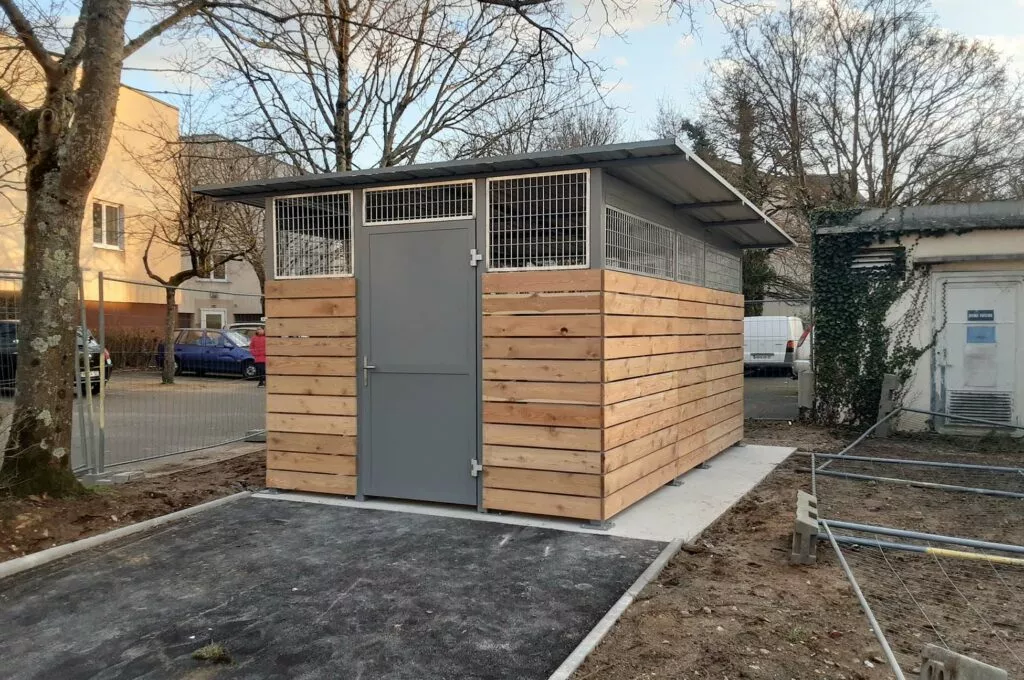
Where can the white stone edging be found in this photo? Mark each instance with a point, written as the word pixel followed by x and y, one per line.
pixel 604 626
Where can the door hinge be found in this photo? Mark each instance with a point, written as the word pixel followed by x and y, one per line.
pixel 474 467
pixel 474 257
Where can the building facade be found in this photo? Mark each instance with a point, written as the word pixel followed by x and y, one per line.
pixel 966 308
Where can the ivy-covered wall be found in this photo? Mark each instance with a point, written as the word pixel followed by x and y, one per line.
pixel 855 342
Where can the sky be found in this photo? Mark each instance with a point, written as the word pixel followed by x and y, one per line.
pixel 658 60
pixel 655 59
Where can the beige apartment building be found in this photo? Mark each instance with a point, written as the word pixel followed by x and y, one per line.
pixel 135 190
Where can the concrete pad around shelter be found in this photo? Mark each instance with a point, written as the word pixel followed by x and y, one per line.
pixel 303 590
pixel 671 512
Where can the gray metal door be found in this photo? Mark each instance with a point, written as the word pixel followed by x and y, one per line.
pixel 418 331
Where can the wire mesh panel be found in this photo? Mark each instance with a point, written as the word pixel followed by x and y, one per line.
pixel 10 296
pixel 689 259
pixel 538 222
pixel 420 203
pixel 313 235
pixel 215 397
pixel 633 244
pixel 722 270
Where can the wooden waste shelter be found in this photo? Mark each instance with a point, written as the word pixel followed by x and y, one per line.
pixel 555 333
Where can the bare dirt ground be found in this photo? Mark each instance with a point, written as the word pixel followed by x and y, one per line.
pixel 730 606
pixel 35 523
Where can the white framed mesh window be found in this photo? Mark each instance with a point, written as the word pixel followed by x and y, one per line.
pixel 689 259
pixel 419 203
pixel 634 244
pixel 722 270
pixel 313 235
pixel 539 221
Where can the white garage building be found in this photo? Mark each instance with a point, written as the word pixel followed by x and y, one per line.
pixel 973 256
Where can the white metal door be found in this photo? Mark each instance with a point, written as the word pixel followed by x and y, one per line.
pixel 213 319
pixel 978 349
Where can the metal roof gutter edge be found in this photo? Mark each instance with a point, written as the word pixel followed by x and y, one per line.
pixel 694 158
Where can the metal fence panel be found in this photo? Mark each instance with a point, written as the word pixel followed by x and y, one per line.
pixel 215 397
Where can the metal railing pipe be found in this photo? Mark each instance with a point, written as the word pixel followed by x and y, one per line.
pixel 875 627
pixel 921 536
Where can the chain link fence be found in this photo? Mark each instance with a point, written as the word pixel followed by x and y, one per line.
pixel 209 395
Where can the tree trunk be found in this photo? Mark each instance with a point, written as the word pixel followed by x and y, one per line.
pixel 38 453
pixel 170 321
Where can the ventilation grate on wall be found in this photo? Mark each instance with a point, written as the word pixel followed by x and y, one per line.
pixel 633 244
pixel 419 203
pixel 538 221
pixel 994 406
pixel 313 235
pixel 878 258
pixel 722 270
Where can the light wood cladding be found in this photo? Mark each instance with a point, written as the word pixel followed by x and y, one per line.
pixel 311 385
pixel 672 391
pixel 542 411
pixel 600 387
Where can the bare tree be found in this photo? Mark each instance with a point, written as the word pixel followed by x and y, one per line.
pixel 588 125
pixel 62 118
pixel 848 102
pixel 378 83
pixel 517 128
pixel 444 69
pixel 325 83
pixel 873 98
pixel 208 234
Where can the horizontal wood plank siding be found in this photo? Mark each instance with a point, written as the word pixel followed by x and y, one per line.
pixel 311 385
pixel 542 376
pixel 672 374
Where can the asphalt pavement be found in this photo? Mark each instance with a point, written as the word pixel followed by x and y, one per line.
pixel 770 397
pixel 303 590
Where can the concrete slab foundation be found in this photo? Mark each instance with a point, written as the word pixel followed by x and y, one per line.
pixel 671 512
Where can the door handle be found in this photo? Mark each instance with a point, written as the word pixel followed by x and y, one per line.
pixel 367 367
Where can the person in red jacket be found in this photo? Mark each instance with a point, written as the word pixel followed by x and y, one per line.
pixel 258 350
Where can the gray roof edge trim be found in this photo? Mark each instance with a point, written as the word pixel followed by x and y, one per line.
pixel 883 228
pixel 568 157
pixel 691 156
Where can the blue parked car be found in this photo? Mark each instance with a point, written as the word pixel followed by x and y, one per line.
pixel 200 351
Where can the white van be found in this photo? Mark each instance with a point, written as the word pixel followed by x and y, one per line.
pixel 770 341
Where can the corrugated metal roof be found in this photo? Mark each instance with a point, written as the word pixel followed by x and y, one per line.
pixel 662 167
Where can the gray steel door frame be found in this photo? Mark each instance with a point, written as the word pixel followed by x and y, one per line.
pixel 362 241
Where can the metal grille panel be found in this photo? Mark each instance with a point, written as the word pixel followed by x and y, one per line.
pixel 689 259
pixel 994 406
pixel 722 270
pixel 419 203
pixel 313 235
pixel 633 244
pixel 538 222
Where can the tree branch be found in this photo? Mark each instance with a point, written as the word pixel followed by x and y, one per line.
pixel 12 115
pixel 28 36
pixel 184 12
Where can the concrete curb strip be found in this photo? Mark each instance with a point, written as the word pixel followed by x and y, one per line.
pixel 604 626
pixel 42 557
